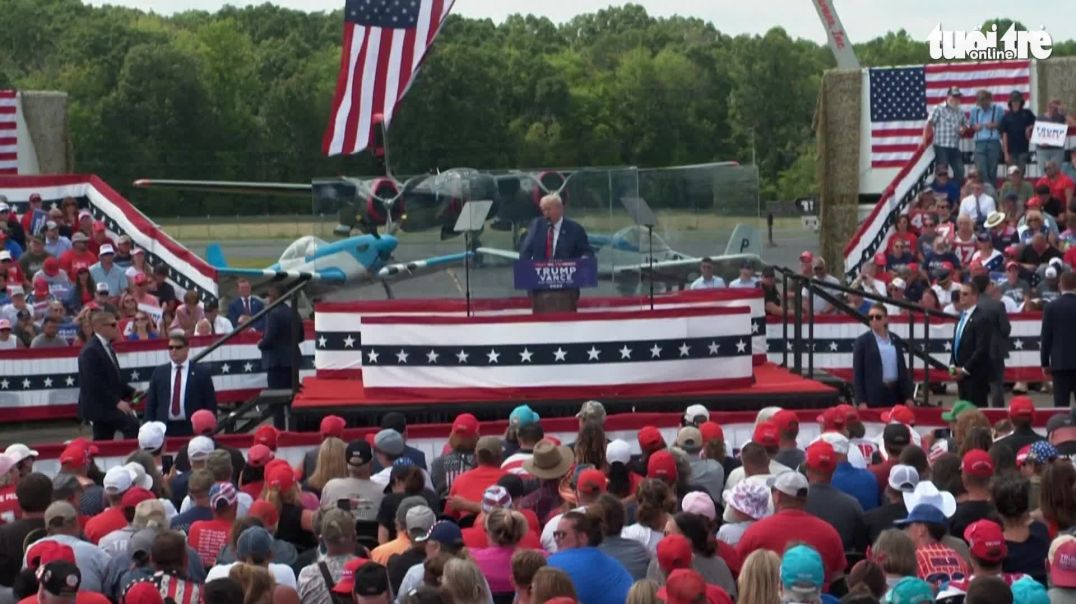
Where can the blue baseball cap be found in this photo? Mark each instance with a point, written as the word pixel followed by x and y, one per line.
pixel 445 532
pixel 801 566
pixel 909 590
pixel 1028 591
pixel 523 415
pixel 255 542
pixel 926 513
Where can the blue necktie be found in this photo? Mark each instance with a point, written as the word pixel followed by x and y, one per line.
pixel 959 330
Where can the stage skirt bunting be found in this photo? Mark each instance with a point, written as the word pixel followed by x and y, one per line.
pixel 42 383
pixel 555 355
pixel 339 337
pixel 186 269
pixel 835 337
pixel 431 439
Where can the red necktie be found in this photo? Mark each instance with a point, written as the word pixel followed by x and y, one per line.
pixel 549 244
pixel 177 393
pixel 246 303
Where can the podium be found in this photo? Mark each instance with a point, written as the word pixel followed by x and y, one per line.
pixel 554 285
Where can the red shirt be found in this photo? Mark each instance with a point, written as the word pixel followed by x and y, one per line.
pixel 82 597
pixel 472 484
pixel 475 537
pixel 1070 256
pixel 9 505
pixel 208 537
pixel 1057 186
pixel 881 472
pixel 104 523
pixel 254 489
pixel 71 257
pixel 794 526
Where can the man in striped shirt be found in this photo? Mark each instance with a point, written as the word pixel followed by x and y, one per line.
pixel 528 436
pixel 947 122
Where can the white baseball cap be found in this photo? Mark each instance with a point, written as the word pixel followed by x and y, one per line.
pixel 200 447
pixel 102 287
pixel 106 248
pixel 618 450
pixel 117 480
pixel 151 436
pixel 695 411
pixel 903 478
pixel 792 484
pixel 5 255
pixel 139 478
pixel 19 452
pixel 838 441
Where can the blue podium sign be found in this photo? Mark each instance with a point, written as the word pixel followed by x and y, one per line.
pixel 534 275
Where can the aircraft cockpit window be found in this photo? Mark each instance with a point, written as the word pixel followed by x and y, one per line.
pixel 302 248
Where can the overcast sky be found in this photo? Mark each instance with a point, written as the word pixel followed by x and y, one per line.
pixel 863 19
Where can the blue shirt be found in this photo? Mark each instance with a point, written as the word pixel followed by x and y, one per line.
pixel 888 352
pixel 115 278
pixel 598 578
pixel 858 483
pixel 985 116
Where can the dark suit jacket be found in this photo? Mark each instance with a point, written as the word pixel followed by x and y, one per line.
pixel 200 393
pixel 281 325
pixel 100 384
pixel 867 367
pixel 571 242
pixel 999 348
pixel 235 310
pixel 1058 350
pixel 974 351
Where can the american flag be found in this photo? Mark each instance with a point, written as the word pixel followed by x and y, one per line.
pixel 9 155
pixel 384 43
pixel 901 99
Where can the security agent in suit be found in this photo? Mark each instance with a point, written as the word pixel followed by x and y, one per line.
pixel 881 377
pixel 104 398
pixel 971 364
pixel 1058 352
pixel 179 388
pixel 554 237
pixel 990 305
pixel 280 345
pixel 245 304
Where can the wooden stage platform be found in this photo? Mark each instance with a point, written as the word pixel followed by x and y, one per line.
pixel 773 386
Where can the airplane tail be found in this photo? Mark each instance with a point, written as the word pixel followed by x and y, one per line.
pixel 745 240
pixel 214 255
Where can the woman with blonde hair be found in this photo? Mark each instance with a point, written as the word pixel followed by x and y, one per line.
pixel 296 523
pixel 643 591
pixel 759 578
pixel 972 418
pixel 505 529
pixel 894 551
pixel 332 463
pixel 256 582
pixel 549 583
pixel 464 583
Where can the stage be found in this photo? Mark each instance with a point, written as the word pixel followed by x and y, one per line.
pixel 773 385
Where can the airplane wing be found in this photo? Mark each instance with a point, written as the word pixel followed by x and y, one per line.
pixel 237 187
pixel 685 270
pixel 498 253
pixel 406 270
pixel 227 277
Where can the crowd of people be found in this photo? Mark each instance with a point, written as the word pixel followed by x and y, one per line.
pixel 59 265
pixel 975 513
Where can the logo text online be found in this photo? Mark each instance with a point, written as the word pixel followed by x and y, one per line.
pixel 976 45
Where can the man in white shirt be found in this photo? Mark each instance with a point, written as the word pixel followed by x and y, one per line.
pixel 747 276
pixel 707 280
pixel 7 341
pixel 978 205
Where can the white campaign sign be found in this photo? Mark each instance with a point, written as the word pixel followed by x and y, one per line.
pixel 1049 133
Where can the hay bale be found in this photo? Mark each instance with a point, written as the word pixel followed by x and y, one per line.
pixel 46 117
pixel 837 144
pixel 1056 80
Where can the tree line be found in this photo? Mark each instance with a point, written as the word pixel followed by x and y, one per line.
pixel 245 94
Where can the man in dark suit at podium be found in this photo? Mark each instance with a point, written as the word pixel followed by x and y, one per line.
pixel 554 237
pixel 1059 341
pixel 179 388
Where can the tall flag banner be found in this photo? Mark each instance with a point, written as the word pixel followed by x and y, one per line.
pixel 384 44
pixel 901 99
pixel 9 148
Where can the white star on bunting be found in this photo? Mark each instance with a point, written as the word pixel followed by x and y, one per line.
pixel 372 356
pixel 559 354
pixel 1018 344
pixel 248 367
pixel 493 356
pixel 322 341
pixel 225 368
pixel 349 341
pixel 401 356
pixel 655 351
pixel 70 381
pixel 754 327
pixel 431 356
pixel 593 353
pixel 833 346
pixel 4 384
pixel 134 375
pixel 714 346
pixel 26 383
pixel 685 349
pixel 625 352
pixel 741 346
pixel 462 356
pixel 48 382
pixel 525 356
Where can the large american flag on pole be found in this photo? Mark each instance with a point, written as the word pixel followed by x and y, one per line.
pixel 384 44
pixel 901 99
pixel 9 150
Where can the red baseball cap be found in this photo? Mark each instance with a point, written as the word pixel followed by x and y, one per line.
pixel 784 420
pixel 766 434
pixel 280 477
pixel 1034 203
pixel 879 259
pixel 1021 407
pixel 661 464
pixel 259 455
pixel 139 278
pixel 832 420
pixel 264 511
pixel 1061 562
pixel 684 586
pixel 901 414
pixel 43 552
pixel 346 583
pixel 977 463
pixel 332 425
pixel 650 439
pixel 986 540
pixel 591 481
pixel 465 425
pixel 52 266
pixel 711 431
pixel 806 257
pixel 821 457
pixel 674 552
pixel 849 412
pixel 134 496
pixel 41 287
pixel 75 453
pixel 266 435
pixel 203 422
